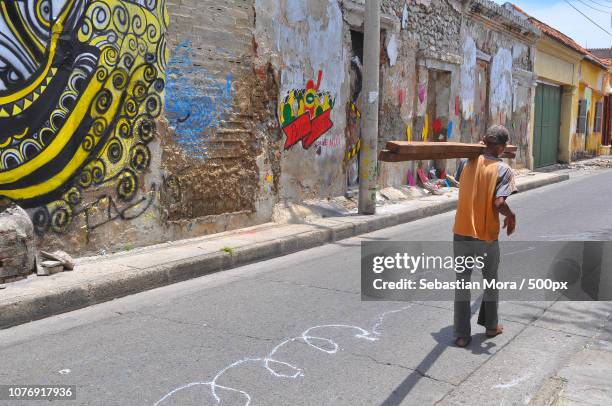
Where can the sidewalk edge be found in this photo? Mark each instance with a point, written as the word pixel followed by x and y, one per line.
pixel 24 309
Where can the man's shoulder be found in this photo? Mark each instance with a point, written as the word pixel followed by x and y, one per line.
pixel 503 168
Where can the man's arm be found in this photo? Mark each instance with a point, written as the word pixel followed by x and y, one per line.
pixel 505 187
pixel 510 218
pixel 460 167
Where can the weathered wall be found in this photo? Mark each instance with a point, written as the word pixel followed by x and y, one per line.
pixel 506 94
pixel 144 122
pixel 79 100
pixel 559 64
pixel 421 87
pixel 591 77
pixel 457 72
pixel 176 118
pixel 305 42
pixel 219 108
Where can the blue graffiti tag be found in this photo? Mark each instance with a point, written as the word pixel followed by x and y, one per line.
pixel 195 101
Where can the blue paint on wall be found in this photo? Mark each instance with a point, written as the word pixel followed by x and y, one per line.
pixel 195 101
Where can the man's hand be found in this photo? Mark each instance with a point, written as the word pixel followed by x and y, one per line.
pixel 503 208
pixel 510 224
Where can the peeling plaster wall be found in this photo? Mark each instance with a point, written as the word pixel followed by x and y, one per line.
pixel 508 98
pixel 214 161
pixel 500 103
pixel 258 97
pixel 468 77
pixel 219 143
pixel 428 42
pixel 305 41
pixel 396 105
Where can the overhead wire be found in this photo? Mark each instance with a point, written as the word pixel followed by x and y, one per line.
pixel 594 8
pixel 588 18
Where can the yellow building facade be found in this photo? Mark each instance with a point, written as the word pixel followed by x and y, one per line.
pixel 557 68
pixel 587 137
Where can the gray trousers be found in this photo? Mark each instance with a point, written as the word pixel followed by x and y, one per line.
pixel 487 317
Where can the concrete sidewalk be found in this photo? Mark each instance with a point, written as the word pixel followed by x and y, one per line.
pixel 586 379
pixel 99 279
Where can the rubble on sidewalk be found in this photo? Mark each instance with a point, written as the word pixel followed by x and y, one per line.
pixel 597 163
pixel 586 165
pixel 54 262
pixel 17 246
pixel 52 267
pixel 62 257
pixel 18 252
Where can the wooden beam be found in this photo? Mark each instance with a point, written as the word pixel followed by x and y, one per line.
pixel 399 151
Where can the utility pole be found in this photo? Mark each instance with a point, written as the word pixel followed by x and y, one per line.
pixel 368 157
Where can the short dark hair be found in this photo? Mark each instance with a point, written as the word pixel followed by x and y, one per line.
pixel 497 134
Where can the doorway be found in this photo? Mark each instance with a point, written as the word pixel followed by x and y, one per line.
pixel 547 125
pixel 353 112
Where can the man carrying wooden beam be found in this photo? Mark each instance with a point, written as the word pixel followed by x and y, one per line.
pixel 484 184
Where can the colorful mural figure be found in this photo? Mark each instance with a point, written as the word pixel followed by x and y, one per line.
pixel 305 114
pixel 81 84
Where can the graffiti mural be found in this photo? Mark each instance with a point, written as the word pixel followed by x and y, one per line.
pixel 81 84
pixel 305 114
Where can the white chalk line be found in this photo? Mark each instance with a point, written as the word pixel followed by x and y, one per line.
pixel 322 344
pixel 513 382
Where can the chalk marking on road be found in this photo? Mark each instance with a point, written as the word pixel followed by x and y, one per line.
pixel 268 362
pixel 512 383
pixel 64 372
pixel 381 318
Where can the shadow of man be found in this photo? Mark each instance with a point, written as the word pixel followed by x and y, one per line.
pixel 444 338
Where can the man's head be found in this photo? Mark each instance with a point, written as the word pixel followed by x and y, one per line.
pixel 496 140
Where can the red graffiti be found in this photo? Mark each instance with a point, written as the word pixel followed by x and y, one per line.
pixel 456 105
pixel 306 130
pixel 305 114
pixel 437 126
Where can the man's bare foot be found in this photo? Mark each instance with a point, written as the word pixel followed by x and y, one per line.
pixel 463 341
pixel 496 332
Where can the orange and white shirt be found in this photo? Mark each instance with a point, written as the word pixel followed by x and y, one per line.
pixel 481 181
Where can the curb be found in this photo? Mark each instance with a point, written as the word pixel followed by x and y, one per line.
pixel 556 178
pixel 19 310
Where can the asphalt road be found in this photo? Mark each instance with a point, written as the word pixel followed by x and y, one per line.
pixel 294 331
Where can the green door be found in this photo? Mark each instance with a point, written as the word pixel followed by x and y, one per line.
pixel 547 125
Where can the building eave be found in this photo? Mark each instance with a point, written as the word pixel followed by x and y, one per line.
pixel 503 18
